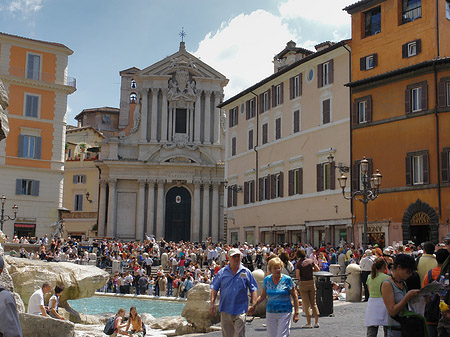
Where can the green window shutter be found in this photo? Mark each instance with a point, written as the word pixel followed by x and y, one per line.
pixel 21 144
pixel 18 186
pixel 38 144
pixel 35 188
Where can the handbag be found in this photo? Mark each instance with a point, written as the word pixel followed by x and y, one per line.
pixel 412 324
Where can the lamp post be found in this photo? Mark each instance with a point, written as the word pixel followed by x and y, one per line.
pixel 369 191
pixel 4 217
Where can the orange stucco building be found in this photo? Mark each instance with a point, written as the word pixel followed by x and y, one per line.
pixel 32 156
pixel 400 119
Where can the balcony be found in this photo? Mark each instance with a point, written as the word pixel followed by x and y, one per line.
pixel 412 14
pixel 42 76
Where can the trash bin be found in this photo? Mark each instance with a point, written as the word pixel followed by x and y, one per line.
pixel 324 292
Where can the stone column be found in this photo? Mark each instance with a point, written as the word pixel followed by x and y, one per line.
pixel 197 117
pixel 327 233
pixel 205 220
pixel 216 136
pixel 144 115
pixel 207 125
pixel 195 229
pixel 150 229
pixel 160 211
pixel 140 211
pixel 102 208
pixel 215 213
pixel 153 126
pixel 164 116
pixel 170 123
pixel 111 228
pixel 191 126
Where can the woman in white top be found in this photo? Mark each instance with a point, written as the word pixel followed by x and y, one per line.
pixel 53 303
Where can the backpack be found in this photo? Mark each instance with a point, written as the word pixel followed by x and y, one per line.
pixel 432 311
pixel 109 326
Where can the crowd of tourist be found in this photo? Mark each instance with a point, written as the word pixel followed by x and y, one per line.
pixel 390 276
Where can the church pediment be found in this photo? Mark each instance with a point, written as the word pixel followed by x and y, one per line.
pixel 182 60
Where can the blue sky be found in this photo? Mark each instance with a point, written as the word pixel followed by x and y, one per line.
pixel 236 37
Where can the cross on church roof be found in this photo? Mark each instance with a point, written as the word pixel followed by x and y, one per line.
pixel 182 34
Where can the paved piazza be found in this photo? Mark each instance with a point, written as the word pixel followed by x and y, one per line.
pixel 348 320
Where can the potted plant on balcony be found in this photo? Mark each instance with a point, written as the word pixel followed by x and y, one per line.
pixel 66 148
pixel 82 147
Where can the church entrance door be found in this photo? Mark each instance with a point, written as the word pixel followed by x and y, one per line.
pixel 178 215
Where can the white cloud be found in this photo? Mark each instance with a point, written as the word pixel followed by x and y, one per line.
pixel 243 48
pixel 322 11
pixel 25 8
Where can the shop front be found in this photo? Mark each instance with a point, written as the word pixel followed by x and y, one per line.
pixel 420 223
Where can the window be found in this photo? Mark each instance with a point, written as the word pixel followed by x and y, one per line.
pixel 372 21
pixel 368 62
pixel 133 84
pixel 31 105
pixel 233 146
pixel 278 128
pixel 310 75
pixel 326 112
pixel 296 121
pixel 33 67
pixel 264 101
pixel 180 120
pixel 265 133
pixel 325 177
pixel 411 48
pixel 234 116
pixel 444 93
pixel 416 97
pixel 232 196
pixel 445 165
pixel 447 9
pixel 417 168
pixel 266 188
pixel 29 147
pixel 106 119
pixel 250 139
pixel 277 92
pixel 249 192
pixel 296 181
pixel 133 98
pixel 411 10
pixel 357 175
pixel 362 110
pixel 27 187
pixel 250 108
pixel 79 179
pixel 295 86
pixel 325 73
pixel 278 185
pixel 78 206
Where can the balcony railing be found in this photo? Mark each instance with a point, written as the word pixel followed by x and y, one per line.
pixel 412 14
pixel 42 76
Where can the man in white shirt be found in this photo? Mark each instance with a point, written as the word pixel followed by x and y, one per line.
pixel 366 267
pixel 36 304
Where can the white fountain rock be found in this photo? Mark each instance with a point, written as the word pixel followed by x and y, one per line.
pixel 79 281
pixel 196 310
pixel 39 326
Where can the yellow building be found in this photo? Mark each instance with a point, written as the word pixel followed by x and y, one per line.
pixel 287 137
pixel 81 182
pixel 32 157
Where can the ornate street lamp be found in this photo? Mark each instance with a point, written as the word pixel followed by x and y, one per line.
pixel 3 216
pixel 369 191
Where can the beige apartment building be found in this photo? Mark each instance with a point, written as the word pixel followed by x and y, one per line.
pixel 287 139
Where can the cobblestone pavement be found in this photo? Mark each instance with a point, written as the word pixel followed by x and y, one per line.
pixel 347 321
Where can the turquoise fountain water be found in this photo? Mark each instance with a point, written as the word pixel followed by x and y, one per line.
pixel 101 304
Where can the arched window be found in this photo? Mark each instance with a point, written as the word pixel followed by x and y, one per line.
pixel 133 98
pixel 133 84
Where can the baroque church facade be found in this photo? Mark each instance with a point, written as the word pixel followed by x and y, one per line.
pixel 162 172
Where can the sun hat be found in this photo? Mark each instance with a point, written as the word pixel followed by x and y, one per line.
pixel 233 252
pixel 368 252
